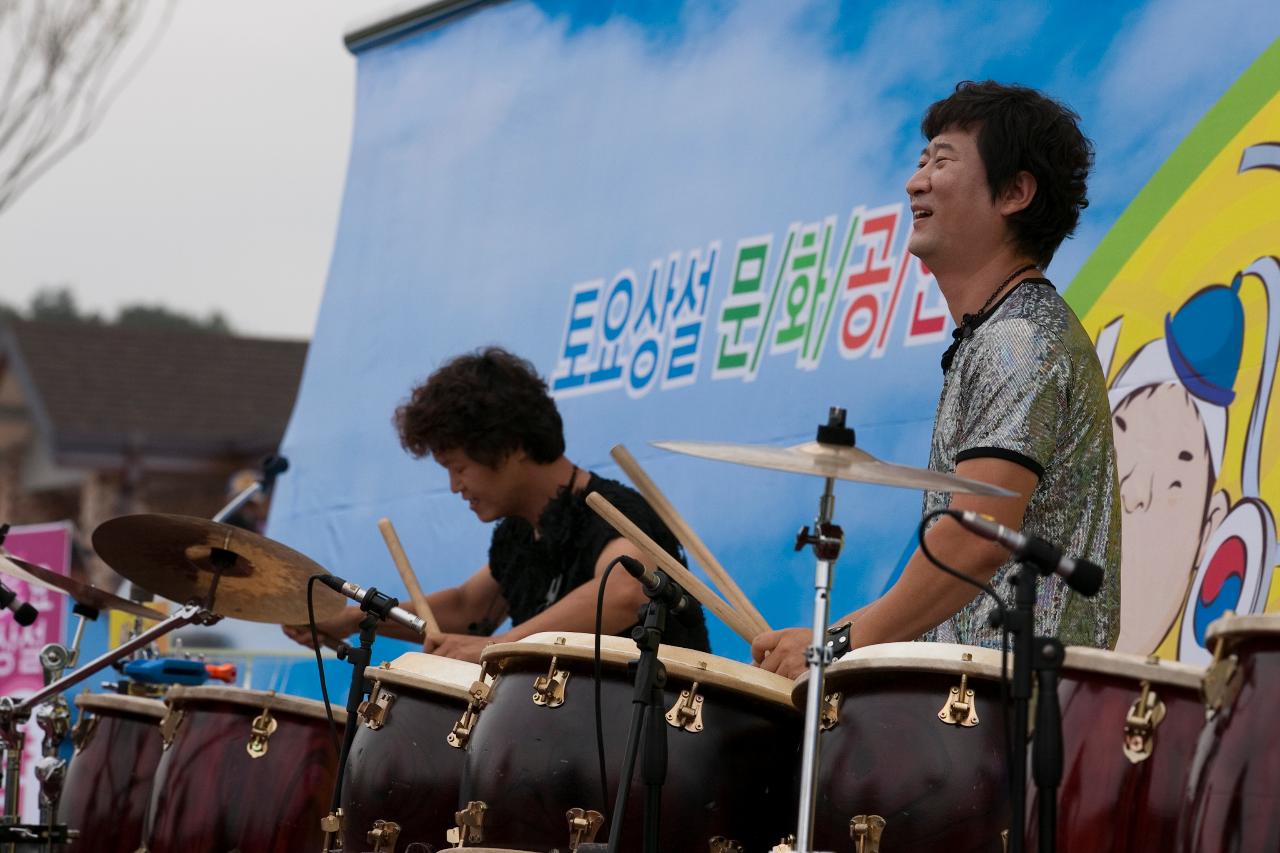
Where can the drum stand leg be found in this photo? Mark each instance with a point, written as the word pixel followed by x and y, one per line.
pixel 826 541
pixel 647 720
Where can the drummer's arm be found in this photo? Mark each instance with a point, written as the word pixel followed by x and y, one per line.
pixel 623 596
pixel 924 596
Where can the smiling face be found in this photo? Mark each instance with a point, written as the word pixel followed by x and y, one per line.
pixel 954 218
pixel 490 492
pixel 1167 514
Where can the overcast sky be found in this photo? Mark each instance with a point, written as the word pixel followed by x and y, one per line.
pixel 215 180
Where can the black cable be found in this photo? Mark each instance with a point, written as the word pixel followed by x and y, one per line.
pixel 315 644
pixel 1009 734
pixel 597 675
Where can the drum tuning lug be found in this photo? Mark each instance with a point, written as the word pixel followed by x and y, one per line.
pixel 959 708
pixel 263 727
pixel 470 825
pixel 83 731
pixel 1221 682
pixel 374 710
pixel 583 826
pixel 479 693
pixel 720 844
pixel 786 845
pixel 865 830
pixel 169 725
pixel 830 711
pixel 686 713
pixel 548 690
pixel 383 836
pixel 1004 841
pixel 1146 712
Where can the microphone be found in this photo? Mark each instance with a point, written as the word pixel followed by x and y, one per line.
pixel 23 613
pixel 272 466
pixel 657 585
pixel 1079 574
pixel 376 602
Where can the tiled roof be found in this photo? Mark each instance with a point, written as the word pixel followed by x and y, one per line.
pixel 96 389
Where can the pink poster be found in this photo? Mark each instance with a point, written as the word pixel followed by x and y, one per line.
pixel 48 545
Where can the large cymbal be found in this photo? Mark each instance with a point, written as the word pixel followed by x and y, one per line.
pixel 174 556
pixel 828 460
pixel 84 593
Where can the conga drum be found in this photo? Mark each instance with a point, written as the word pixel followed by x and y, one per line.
pixel 404 769
pixel 242 770
pixel 912 753
pixel 117 746
pixel 1129 728
pixel 1233 789
pixel 533 772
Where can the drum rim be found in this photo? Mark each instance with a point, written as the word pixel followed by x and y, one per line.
pixel 1136 667
pixel 251 698
pixel 402 673
pixel 685 664
pixel 1231 625
pixel 911 656
pixel 122 702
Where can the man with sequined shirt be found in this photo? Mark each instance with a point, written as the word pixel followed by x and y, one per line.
pixel 998 187
pixel 487 419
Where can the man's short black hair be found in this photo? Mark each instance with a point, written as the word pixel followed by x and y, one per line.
pixel 1020 129
pixel 488 404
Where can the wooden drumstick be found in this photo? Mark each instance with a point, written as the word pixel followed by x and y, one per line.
pixel 691 541
pixel 672 567
pixel 406 574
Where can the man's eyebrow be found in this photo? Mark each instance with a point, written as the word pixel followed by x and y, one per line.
pixel 937 146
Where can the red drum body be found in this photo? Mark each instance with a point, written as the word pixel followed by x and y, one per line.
pixel 402 768
pixel 242 770
pixel 108 783
pixel 891 766
pixel 1233 789
pixel 732 744
pixel 1129 728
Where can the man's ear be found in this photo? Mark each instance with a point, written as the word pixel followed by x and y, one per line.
pixel 1019 193
pixel 1214 513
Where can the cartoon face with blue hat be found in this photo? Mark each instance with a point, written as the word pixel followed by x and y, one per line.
pixel 1185 548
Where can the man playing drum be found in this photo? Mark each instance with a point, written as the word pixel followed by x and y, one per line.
pixel 998 187
pixel 487 419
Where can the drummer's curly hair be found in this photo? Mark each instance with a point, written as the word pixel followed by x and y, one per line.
pixel 488 404
pixel 1020 129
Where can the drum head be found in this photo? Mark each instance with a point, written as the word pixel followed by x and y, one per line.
pixel 1134 667
pixel 1232 627
pixel 106 703
pixel 256 699
pixel 682 663
pixel 429 673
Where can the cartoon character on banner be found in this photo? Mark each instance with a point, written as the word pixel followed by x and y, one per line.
pixel 1170 404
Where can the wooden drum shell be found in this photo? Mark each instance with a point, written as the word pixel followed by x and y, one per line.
pixel 108 782
pixel 406 771
pixel 1232 800
pixel 938 786
pixel 1107 802
pixel 529 764
pixel 211 795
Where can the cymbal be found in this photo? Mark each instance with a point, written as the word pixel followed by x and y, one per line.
pixel 84 593
pixel 829 460
pixel 174 556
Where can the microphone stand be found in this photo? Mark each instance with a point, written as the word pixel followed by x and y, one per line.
pixel 647 718
pixel 376 606
pixel 1043 656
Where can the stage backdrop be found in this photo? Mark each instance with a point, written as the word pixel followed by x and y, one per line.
pixel 692 218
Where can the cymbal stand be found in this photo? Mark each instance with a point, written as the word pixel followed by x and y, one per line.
pixel 826 540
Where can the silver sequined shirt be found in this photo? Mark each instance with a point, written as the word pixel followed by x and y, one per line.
pixel 1027 386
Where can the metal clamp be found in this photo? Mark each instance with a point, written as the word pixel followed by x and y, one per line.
pixel 548 690
pixel 959 708
pixel 264 726
pixel 1222 681
pixel 374 710
pixel 383 836
pixel 786 845
pixel 686 713
pixel 583 826
pixel 83 731
pixel 479 693
pixel 470 825
pixel 865 830
pixel 720 844
pixel 1146 712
